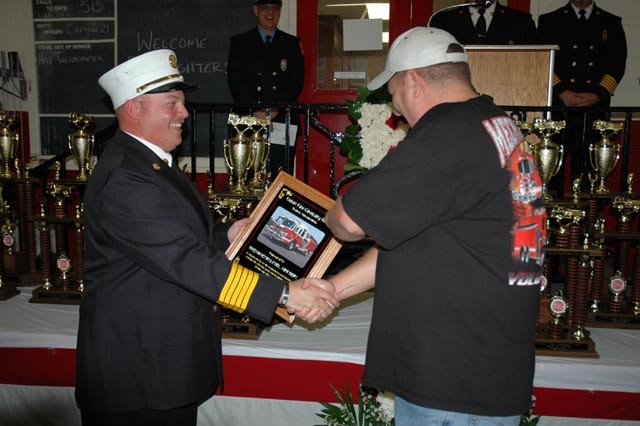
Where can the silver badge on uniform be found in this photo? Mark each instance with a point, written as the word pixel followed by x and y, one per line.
pixel 283 64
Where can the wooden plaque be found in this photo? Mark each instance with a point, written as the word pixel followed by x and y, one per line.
pixel 287 238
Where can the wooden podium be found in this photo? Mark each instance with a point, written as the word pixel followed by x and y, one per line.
pixel 513 75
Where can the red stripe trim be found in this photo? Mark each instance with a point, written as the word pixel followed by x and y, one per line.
pixel 302 380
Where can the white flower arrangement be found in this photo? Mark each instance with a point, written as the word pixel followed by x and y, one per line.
pixel 373 409
pixel 377 136
pixel 375 130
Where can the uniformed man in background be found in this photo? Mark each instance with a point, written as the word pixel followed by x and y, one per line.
pixel 496 24
pixel 265 66
pixel 588 68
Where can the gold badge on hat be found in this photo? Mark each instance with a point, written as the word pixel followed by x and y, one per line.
pixel 173 61
pixel 155 166
pixel 605 35
pixel 283 64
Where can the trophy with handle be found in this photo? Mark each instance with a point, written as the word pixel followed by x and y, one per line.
pixel 260 147
pixel 8 144
pixel 81 144
pixel 548 154
pixel 604 155
pixel 238 153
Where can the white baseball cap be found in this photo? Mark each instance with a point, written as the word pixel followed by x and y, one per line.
pixel 417 48
pixel 152 72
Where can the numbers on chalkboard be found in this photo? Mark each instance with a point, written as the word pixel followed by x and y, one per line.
pixel 91 6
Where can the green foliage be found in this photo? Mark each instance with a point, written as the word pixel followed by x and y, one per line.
pixel 345 414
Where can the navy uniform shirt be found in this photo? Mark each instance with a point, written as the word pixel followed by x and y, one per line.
pixel 592 56
pixel 265 73
pixel 508 26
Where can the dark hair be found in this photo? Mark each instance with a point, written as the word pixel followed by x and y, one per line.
pixel 441 73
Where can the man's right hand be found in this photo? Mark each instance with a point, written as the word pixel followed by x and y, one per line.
pixel 312 299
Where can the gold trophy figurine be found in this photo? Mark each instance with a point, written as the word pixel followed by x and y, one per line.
pixel 547 153
pixel 238 153
pixel 81 144
pixel 8 144
pixel 604 155
pixel 260 147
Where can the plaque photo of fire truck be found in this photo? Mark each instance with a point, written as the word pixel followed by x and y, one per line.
pixel 293 233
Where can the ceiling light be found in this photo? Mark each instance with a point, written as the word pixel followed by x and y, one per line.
pixel 378 11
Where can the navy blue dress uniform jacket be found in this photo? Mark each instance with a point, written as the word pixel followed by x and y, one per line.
pixel 258 73
pixel 592 57
pixel 149 336
pixel 508 26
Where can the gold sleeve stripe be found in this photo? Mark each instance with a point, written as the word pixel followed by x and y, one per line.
pixel 238 288
pixel 556 79
pixel 609 83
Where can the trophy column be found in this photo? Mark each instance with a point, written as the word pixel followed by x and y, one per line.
pixel 31 276
pixel 79 249
pixel 7 287
pixel 60 285
pixel 616 309
pixel 65 283
pixel 565 333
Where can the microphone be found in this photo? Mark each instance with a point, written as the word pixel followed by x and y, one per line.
pixel 478 3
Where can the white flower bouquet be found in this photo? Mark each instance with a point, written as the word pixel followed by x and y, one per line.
pixel 375 131
pixel 373 409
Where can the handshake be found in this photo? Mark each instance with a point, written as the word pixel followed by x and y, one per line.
pixel 312 299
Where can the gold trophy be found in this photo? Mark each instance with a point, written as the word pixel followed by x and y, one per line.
pixel 565 216
pixel 604 155
pixel 238 153
pixel 260 147
pixel 81 144
pixel 547 153
pixel 8 144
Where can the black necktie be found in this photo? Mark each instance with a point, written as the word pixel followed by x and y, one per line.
pixel 481 25
pixel 267 40
pixel 582 19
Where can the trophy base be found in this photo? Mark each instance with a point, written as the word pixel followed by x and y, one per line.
pixel 29 279
pixel 8 289
pixel 565 345
pixel 56 295
pixel 604 318
pixel 234 326
pixel 239 326
pixel 13 263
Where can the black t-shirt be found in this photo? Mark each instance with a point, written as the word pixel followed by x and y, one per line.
pixel 454 316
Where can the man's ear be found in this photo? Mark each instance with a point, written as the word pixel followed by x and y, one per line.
pixel 132 108
pixel 413 80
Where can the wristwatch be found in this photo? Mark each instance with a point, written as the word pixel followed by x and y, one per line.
pixel 285 295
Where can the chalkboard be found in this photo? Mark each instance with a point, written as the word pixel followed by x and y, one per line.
pixel 72 53
pixel 68 76
pixel 197 30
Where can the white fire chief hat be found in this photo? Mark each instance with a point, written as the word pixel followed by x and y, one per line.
pixel 152 72
pixel 417 48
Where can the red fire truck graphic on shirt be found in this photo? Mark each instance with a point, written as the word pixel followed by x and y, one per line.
pixel 293 234
pixel 529 216
pixel 529 229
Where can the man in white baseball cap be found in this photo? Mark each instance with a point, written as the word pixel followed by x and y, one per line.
pixel 149 343
pixel 444 209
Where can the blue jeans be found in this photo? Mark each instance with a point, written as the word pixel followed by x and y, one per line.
pixel 408 414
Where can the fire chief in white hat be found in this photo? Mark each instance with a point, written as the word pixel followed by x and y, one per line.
pixel 149 337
